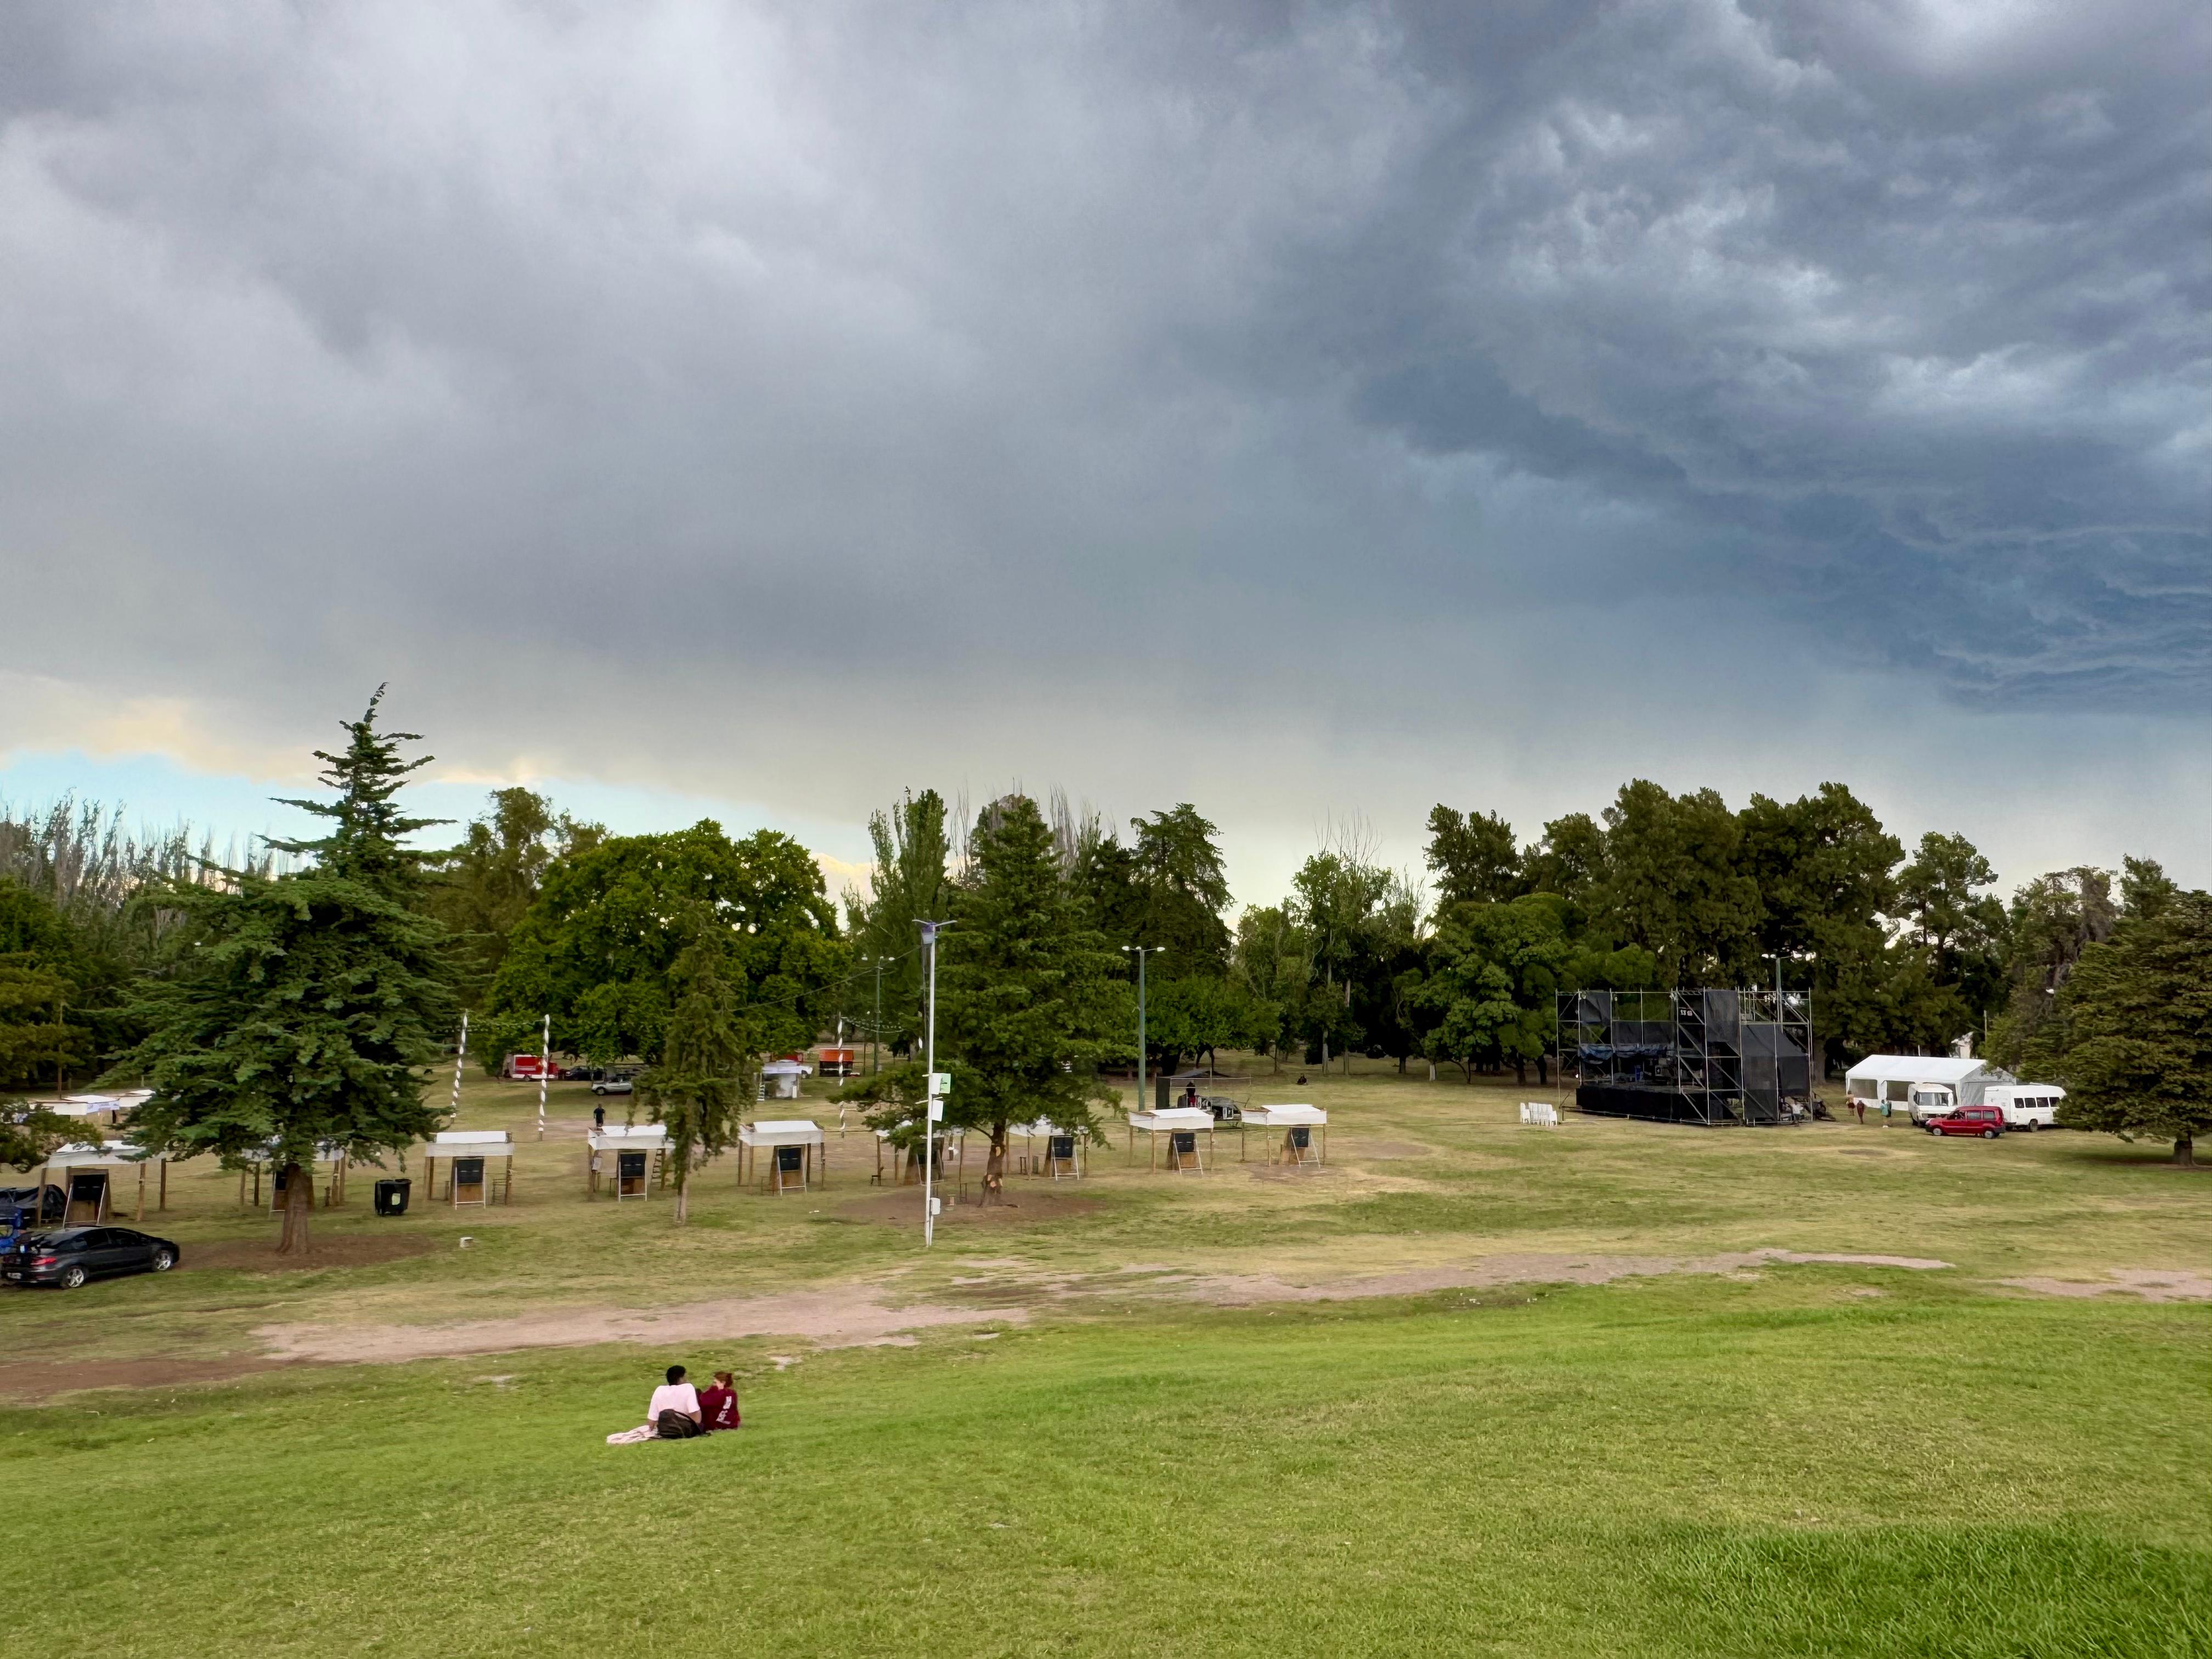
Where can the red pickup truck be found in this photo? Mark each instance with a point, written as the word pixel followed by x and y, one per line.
pixel 1987 1121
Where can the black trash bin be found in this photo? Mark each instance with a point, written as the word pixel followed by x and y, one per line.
pixel 392 1196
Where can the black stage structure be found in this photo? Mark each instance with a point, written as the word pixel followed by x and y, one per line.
pixel 1702 1057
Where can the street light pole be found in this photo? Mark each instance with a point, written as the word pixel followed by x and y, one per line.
pixel 876 1031
pixel 932 1103
pixel 1142 951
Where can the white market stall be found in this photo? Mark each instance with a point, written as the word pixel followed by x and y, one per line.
pixel 799 1153
pixel 1064 1151
pixel 1182 1125
pixel 1297 1123
pixel 466 1153
pixel 631 1158
pixel 86 1172
pixel 906 1161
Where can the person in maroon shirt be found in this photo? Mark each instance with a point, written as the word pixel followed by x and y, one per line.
pixel 718 1405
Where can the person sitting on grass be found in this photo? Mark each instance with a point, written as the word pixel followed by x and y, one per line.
pixel 719 1405
pixel 675 1409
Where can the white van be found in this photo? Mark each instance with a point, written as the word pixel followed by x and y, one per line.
pixel 2029 1106
pixel 1928 1100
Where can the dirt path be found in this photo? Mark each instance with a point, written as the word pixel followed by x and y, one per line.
pixel 2151 1284
pixel 1234 1289
pixel 842 1318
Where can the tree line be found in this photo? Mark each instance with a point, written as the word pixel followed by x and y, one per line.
pixel 297 998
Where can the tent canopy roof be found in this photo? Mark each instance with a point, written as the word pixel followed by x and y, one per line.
pixel 1923 1068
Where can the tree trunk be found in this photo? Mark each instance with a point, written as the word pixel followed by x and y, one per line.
pixel 684 1195
pixel 299 1207
pixel 994 1167
pixel 2184 1152
pixel 1543 1072
pixel 1521 1071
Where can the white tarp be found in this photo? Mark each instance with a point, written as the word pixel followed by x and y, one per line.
pixel 1175 1117
pixel 1966 1079
pixel 644 1138
pixel 1271 1117
pixel 470 1143
pixel 782 1132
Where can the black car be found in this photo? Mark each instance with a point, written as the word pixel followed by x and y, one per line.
pixel 67 1256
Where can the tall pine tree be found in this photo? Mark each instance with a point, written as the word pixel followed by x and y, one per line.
pixel 1024 988
pixel 311 1004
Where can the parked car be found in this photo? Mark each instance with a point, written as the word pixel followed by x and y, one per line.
pixel 1987 1121
pixel 579 1073
pixel 67 1256
pixel 616 1083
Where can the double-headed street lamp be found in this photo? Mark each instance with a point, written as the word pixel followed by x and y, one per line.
pixel 1141 951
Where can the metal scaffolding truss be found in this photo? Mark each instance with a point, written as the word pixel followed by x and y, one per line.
pixel 1706 1055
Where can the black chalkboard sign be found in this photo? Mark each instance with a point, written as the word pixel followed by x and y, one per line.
pixel 1062 1147
pixel 469 1171
pixel 789 1160
pixel 1185 1141
pixel 1302 1137
pixel 630 1165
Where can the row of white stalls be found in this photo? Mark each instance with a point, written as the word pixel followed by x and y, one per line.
pixel 1172 1135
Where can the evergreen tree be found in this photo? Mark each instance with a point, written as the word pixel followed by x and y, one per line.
pixel 1475 857
pixel 311 1004
pixel 705 1076
pixel 1024 988
pixel 909 883
pixel 2133 1027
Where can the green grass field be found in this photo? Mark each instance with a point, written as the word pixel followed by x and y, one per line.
pixel 1706 1455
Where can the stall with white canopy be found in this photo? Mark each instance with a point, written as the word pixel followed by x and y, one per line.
pixel 86 1172
pixel 1297 1123
pixel 467 1155
pixel 328 1166
pixel 1182 1125
pixel 630 1160
pixel 799 1153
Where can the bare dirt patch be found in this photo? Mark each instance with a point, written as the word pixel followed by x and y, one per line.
pixel 2151 1284
pixel 1241 1290
pixel 842 1318
pixel 42 1379
pixel 255 1255
pixel 901 1206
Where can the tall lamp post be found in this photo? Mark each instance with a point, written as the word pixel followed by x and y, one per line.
pixel 933 1107
pixel 1141 951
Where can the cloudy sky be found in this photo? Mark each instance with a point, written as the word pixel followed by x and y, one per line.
pixel 1309 411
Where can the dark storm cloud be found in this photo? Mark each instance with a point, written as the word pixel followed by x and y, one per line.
pixel 344 336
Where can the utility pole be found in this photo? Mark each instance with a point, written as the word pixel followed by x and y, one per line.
pixel 1142 951
pixel 933 1106
pixel 876 1031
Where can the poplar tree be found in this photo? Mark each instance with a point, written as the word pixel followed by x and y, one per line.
pixel 2134 1027
pixel 310 1005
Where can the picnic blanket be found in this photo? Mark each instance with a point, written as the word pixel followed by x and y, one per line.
pixel 631 1437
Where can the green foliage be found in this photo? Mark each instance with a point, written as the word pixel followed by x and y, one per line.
pixel 485 885
pixel 2131 1035
pixel 44 972
pixel 311 1003
pixel 1025 999
pixel 1271 966
pixel 706 1077
pixel 28 1133
pixel 909 884
pixel 2053 920
pixel 1494 974
pixel 1674 884
pixel 1184 888
pixel 1475 856
pixel 597 945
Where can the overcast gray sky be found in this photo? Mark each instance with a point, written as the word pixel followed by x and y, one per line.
pixel 1301 411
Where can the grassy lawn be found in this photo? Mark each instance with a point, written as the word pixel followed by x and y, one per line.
pixel 1752 1459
